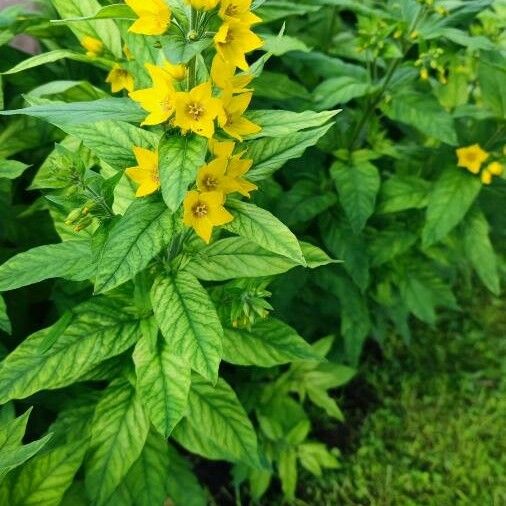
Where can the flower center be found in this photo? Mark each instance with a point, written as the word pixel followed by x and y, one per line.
pixel 211 183
pixel 471 157
pixel 195 110
pixel 232 10
pixel 200 210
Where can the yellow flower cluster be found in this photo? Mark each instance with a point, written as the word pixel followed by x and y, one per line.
pixel 473 157
pixel 219 102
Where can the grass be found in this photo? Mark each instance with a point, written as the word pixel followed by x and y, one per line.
pixel 438 435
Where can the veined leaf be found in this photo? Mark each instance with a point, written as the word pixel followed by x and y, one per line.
pixel 261 227
pixel 423 112
pixel 115 11
pixel 270 342
pixel 452 196
pixel 44 480
pixel 403 192
pixel 70 260
pixel 284 123
pixel 480 252
pixel 217 426
pixel 340 90
pixel 146 482
pixel 49 57
pixel 163 383
pixel 78 113
pixel 269 155
pixel 100 329
pixel 118 435
pixel 11 169
pixel 492 75
pixel 104 30
pixel 5 324
pixel 178 49
pixel 358 186
pixel 138 236
pixel 112 141
pixel 188 321
pixel 180 157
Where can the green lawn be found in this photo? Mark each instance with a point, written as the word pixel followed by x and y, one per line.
pixel 438 434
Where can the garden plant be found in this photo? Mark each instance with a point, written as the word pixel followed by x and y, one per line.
pixel 208 208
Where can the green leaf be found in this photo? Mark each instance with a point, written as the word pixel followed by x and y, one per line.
pixel 492 76
pixel 133 242
pixel 452 196
pixel 423 112
pixel 183 485
pixel 358 186
pixel 217 426
pixel 49 57
pixel 78 113
pixel 284 123
pixel 270 342
pixel 163 383
pixel 480 252
pixel 100 329
pixel 315 257
pixel 339 90
pixel 12 169
pixel 388 244
pixel 118 435
pixel 5 324
pixel 279 45
pixel 146 482
pixel 264 229
pixel 44 480
pixel 70 260
pixel 287 469
pixel 112 141
pixel 178 49
pixel 269 155
pixel 187 319
pixel 180 158
pixel 236 257
pixel 115 11
pixel 104 30
pixel 399 193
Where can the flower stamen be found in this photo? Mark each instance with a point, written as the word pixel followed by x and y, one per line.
pixel 195 110
pixel 200 209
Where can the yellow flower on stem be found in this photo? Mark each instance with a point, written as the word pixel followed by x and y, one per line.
pixel 176 72
pixel 146 172
pixel 232 120
pixel 233 40
pixel 159 100
pixel 120 79
pixel 205 5
pixel 238 10
pixel 472 158
pixel 223 76
pixel 197 109
pixel 154 16
pixel 225 175
pixel 493 169
pixel 203 211
pixel 94 47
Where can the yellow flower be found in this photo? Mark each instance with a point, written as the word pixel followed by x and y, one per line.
pixel 203 211
pixel 495 168
pixel 176 72
pixel 232 120
pixel 486 177
pixel 424 74
pixel 154 16
pixel 120 79
pixel 223 76
pixel 94 47
pixel 159 100
pixel 146 172
pixel 221 149
pixel 225 175
pixel 205 5
pixel 234 40
pixel 196 110
pixel 238 10
pixel 472 158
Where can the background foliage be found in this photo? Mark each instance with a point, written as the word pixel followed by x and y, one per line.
pixel 377 185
